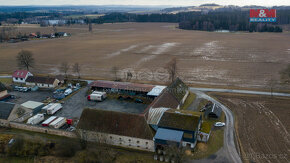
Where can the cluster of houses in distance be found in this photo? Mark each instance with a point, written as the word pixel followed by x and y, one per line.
pixel 37 35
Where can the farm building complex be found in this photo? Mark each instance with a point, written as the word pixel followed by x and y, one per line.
pixel 138 116
pixel 158 126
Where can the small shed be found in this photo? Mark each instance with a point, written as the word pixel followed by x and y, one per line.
pixel 204 132
pixel 33 105
pixel 168 137
pixel 213 112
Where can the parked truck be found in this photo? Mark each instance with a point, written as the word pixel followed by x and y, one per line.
pixel 53 108
pixel 35 119
pixel 48 121
pixel 97 96
pixel 58 122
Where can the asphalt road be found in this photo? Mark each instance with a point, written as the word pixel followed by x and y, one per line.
pixel 229 151
pixel 241 91
pixel 5 76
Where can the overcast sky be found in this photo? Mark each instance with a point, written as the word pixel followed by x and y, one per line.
pixel 145 2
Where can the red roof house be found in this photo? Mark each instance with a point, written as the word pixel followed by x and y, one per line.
pixel 20 76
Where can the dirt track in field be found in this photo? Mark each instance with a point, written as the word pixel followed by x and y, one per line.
pixel 232 59
pixel 263 126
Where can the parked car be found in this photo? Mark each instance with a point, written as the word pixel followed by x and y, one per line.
pixel 11 141
pixel 35 88
pixel 71 128
pixel 24 89
pixel 67 92
pixel 138 100
pixel 16 88
pixel 219 124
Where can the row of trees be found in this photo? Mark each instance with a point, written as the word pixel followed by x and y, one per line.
pixel 226 20
pixel 232 21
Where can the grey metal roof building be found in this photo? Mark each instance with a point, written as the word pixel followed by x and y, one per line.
pixel 5 109
pixel 168 135
pixel 2 87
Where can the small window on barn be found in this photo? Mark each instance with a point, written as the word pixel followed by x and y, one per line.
pixel 138 146
pixel 110 137
pixel 129 139
pixel 21 78
pixel 188 136
pixel 138 141
pixel 146 142
pixel 120 139
pixel 16 78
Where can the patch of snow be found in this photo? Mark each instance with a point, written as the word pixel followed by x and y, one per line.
pixel 121 51
pixel 208 49
pixel 164 48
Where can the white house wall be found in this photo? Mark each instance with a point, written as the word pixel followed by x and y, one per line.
pixel 204 137
pixel 123 141
pixel 18 80
pixel 40 85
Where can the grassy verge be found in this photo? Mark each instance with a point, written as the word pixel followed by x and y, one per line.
pixel 202 103
pixel 215 142
pixel 95 152
pixel 17 159
pixel 7 81
pixel 189 100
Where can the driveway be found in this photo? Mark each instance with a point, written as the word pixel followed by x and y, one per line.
pixel 228 153
pixel 73 107
pixel 38 96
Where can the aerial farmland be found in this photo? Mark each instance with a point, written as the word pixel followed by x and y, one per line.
pixel 237 59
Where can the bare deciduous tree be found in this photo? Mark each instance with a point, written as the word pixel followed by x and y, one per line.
pixel 83 138
pixel 77 69
pixel 272 85
pixel 172 69
pixel 64 67
pixel 7 32
pixel 285 75
pixel 129 76
pixel 25 59
pixel 54 28
pixel 176 153
pixel 90 26
pixel 114 71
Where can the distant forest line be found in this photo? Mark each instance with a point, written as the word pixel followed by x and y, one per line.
pixel 211 21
